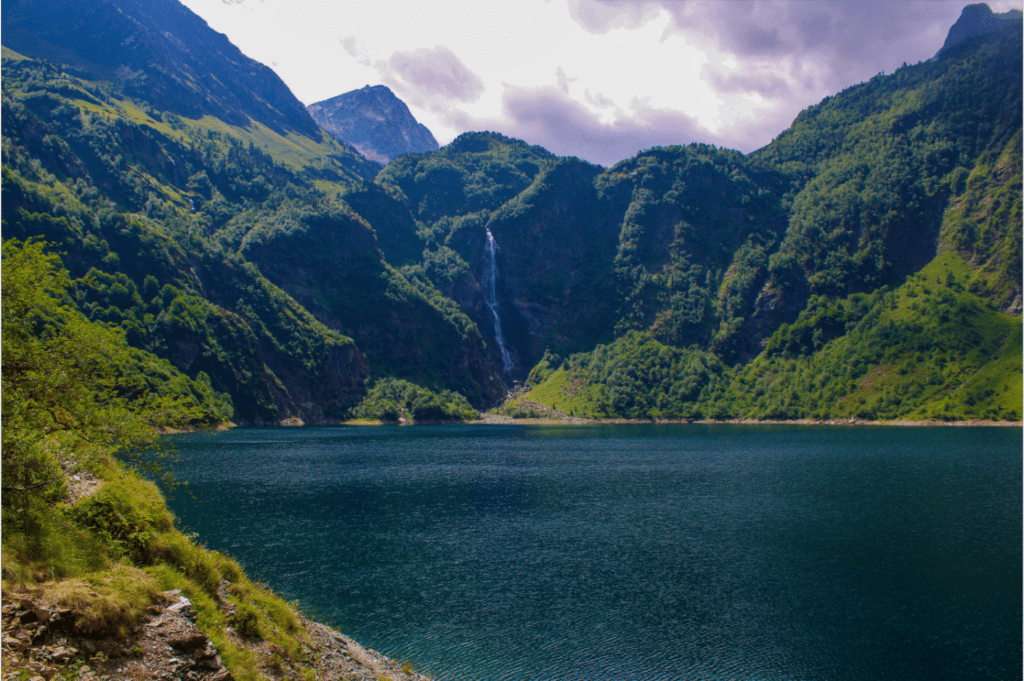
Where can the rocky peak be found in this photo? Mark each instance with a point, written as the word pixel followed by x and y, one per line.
pixel 374 121
pixel 976 20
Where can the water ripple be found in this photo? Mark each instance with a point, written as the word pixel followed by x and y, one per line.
pixel 656 553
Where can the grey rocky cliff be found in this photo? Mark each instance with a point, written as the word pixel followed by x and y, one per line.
pixel 374 121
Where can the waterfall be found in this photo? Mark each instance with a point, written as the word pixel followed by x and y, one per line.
pixel 491 296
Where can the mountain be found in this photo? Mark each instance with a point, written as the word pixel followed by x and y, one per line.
pixel 374 121
pixel 160 51
pixel 187 217
pixel 891 291
pixel 977 20
pixel 183 245
pixel 865 263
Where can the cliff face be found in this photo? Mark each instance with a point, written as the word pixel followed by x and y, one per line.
pixel 374 121
pixel 555 254
pixel 331 265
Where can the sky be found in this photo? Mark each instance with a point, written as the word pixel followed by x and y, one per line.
pixel 597 79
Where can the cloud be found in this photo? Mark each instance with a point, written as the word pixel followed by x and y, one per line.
pixel 349 45
pixel 766 81
pixel 835 42
pixel 766 61
pixel 430 78
pixel 607 15
pixel 551 118
pixel 629 73
pixel 563 79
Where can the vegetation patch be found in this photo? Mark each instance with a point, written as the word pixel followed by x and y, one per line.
pixel 391 400
pixel 928 349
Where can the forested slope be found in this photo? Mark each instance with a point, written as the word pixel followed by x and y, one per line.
pixel 890 288
pixel 231 237
pixel 190 230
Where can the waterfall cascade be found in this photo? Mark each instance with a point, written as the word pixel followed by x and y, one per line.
pixel 491 296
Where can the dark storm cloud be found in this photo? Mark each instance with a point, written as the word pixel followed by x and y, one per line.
pixel 431 78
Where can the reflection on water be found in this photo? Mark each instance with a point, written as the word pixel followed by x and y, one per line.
pixel 633 552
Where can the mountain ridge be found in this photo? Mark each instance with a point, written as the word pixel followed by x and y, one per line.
pixel 694 245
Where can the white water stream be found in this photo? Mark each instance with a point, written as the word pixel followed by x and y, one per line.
pixel 491 296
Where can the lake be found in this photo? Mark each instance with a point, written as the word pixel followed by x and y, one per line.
pixel 654 552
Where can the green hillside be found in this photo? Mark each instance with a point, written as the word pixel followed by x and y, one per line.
pixel 85 537
pixel 928 349
pixel 226 234
pixel 165 222
pixel 892 293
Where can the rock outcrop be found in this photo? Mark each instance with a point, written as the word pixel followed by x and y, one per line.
pixel 41 642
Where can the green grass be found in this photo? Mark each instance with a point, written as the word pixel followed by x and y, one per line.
pixel 8 53
pixel 112 554
pixel 566 393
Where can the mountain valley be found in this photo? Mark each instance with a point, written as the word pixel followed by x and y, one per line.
pixel 241 243
pixel 186 248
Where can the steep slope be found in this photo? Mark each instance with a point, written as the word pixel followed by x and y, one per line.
pixel 166 220
pixel 449 196
pixel 555 249
pixel 895 290
pixel 693 244
pixel 101 577
pixel 161 52
pixel 114 194
pixel 374 121
pixel 877 164
pixel 981 224
pixel 674 241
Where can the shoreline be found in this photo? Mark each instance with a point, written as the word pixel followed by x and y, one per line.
pixel 565 420
pixel 495 419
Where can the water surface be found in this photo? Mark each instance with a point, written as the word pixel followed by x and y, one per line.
pixel 633 552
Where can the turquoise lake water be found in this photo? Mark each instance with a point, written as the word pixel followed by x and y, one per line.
pixel 594 553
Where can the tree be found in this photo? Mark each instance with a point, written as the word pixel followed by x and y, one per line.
pixel 73 390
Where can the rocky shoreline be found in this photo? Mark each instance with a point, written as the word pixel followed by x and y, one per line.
pixel 41 643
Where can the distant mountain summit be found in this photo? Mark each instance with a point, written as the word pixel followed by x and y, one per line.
pixel 374 121
pixel 976 20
